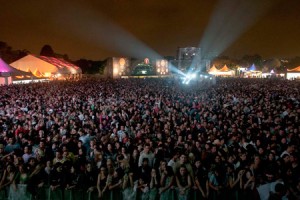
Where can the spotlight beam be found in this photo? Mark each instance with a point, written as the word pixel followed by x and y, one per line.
pixel 230 19
pixel 90 26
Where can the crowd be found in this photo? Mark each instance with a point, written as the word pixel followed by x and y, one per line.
pixel 150 139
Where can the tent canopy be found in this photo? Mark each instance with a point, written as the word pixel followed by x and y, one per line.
pixel 61 64
pixel 4 67
pixel 297 69
pixel 252 68
pixel 225 69
pixel 213 69
pixel 7 69
pixel 43 66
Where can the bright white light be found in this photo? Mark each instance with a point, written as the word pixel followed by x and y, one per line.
pixel 30 81
pixel 73 71
pixel 186 81
pixel 47 74
pixel 193 75
pixel 144 72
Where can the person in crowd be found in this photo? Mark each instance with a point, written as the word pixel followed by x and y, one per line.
pixel 145 171
pixel 154 185
pixel 56 182
pixel 115 185
pixel 143 188
pixel 7 179
pixel 109 153
pixel 173 160
pixel 18 188
pixel 59 158
pixel 183 160
pixel 27 153
pixel 90 178
pixel 217 184
pixel 201 181
pixel 167 183
pixel 129 185
pixel 280 191
pixel 71 181
pixel 39 180
pixel 234 182
pixel 184 183
pixel 102 186
pixel 134 161
pixel 11 145
pixel 146 153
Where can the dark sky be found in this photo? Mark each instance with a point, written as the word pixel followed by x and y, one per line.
pixel 96 29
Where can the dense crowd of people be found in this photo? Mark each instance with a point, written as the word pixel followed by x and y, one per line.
pixel 150 139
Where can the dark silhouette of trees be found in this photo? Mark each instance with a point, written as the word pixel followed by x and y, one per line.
pixel 5 51
pixel 9 55
pixel 225 60
pixel 47 51
pixel 248 60
pixel 294 62
pixel 273 63
pixel 66 57
pixel 91 67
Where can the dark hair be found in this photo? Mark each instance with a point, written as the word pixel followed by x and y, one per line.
pixel 280 188
pixel 57 165
pixel 284 156
pixel 170 171
pixel 147 144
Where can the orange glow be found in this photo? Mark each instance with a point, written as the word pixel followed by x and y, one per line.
pixel 122 61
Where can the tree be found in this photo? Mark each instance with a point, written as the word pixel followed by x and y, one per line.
pixel 66 57
pixel 102 67
pixel 6 52
pixel 47 51
pixel 294 62
pixel 83 64
pixel 225 60
pixel 248 60
pixel 273 63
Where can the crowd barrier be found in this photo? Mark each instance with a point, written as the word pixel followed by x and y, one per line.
pixel 45 193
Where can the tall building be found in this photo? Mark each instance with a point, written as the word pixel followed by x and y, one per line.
pixel 190 59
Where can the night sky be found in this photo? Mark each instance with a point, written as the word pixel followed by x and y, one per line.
pixel 96 29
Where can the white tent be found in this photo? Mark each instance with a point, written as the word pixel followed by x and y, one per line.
pixel 224 71
pixel 48 67
pixel 213 70
pixel 293 73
